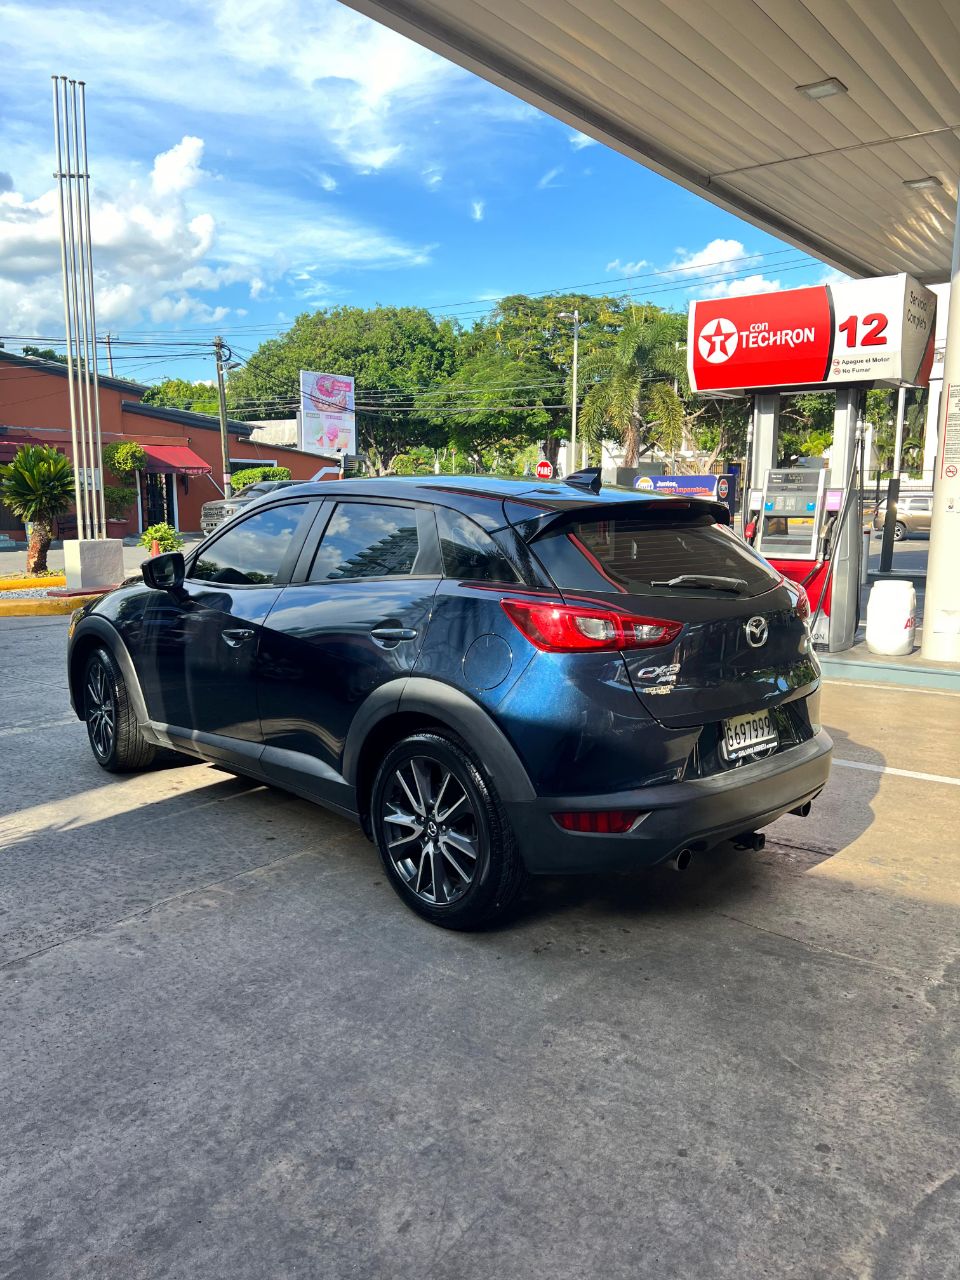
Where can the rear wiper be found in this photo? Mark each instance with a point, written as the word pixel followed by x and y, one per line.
pixel 704 580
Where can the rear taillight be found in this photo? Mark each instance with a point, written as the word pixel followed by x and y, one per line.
pixel 584 628
pixel 613 822
pixel 803 603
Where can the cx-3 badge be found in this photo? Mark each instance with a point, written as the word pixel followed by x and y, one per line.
pixel 756 630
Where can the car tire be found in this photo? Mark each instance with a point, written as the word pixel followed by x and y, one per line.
pixel 444 839
pixel 899 531
pixel 115 738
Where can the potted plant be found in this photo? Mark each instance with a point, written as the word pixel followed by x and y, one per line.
pixel 118 499
pixel 37 486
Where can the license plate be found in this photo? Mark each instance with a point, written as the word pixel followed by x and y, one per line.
pixel 744 735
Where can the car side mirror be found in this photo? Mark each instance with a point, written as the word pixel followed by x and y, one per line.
pixel 164 572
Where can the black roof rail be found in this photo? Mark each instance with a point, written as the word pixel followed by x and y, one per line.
pixel 588 478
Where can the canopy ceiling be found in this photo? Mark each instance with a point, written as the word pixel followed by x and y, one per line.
pixel 705 93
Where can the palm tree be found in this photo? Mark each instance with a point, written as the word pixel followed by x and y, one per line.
pixel 37 486
pixel 635 387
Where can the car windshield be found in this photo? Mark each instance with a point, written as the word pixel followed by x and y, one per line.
pixel 649 557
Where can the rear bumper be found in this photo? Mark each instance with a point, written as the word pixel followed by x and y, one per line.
pixel 706 810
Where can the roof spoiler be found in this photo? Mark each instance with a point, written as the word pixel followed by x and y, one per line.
pixel 531 520
pixel 588 478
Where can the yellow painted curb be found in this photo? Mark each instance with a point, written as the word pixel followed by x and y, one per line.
pixel 40 606
pixel 20 580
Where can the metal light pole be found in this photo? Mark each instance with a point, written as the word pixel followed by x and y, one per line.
pixel 219 347
pixel 575 317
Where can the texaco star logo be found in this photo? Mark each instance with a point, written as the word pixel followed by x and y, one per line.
pixel 718 340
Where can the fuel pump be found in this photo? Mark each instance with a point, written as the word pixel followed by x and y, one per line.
pixel 796 521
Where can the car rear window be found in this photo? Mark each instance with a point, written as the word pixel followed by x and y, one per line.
pixel 629 555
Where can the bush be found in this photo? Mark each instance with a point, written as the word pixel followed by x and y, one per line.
pixel 166 536
pixel 253 475
pixel 118 499
pixel 124 456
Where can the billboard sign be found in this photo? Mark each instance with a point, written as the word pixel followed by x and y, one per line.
pixel 878 330
pixel 327 423
pixel 719 488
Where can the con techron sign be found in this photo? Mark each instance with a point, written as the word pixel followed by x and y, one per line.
pixel 878 330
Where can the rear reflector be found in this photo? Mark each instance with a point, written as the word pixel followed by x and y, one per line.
pixel 612 822
pixel 584 628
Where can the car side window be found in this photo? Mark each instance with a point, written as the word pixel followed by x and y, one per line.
pixel 468 552
pixel 367 540
pixel 250 553
pixel 919 504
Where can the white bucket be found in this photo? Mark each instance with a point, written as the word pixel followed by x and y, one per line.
pixel 891 618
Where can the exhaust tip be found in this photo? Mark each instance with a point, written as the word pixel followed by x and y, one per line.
pixel 680 861
pixel 750 840
pixel 802 810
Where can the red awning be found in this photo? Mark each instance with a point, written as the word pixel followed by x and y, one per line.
pixel 178 458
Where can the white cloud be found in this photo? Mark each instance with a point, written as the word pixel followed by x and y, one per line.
pixel 739 288
pixel 326 182
pixel 6 182
pixel 432 177
pixel 549 178
pixel 626 268
pixel 580 140
pixel 179 168
pixel 161 244
pixel 477 208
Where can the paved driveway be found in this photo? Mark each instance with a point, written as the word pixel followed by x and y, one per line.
pixel 226 1050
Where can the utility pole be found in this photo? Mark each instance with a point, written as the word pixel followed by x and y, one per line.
pixel 575 317
pixel 109 356
pixel 219 347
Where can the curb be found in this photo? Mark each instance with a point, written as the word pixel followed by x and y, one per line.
pixel 19 582
pixel 40 607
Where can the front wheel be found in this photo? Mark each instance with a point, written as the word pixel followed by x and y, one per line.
pixel 899 532
pixel 115 738
pixel 444 839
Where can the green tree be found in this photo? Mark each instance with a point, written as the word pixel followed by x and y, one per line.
pixel 394 353
pixel 37 486
pixel 636 387
pixel 493 404
pixel 177 393
pixel 537 333
pixel 44 353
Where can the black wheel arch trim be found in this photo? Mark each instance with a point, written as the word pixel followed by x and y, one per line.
pixel 95 627
pixel 448 707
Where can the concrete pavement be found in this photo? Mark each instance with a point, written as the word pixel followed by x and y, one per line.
pixel 228 1051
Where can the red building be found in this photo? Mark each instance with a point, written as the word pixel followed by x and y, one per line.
pixel 184 467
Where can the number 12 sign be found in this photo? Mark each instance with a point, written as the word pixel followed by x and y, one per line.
pixel 878 330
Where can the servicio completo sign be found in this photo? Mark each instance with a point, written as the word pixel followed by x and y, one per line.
pixel 878 330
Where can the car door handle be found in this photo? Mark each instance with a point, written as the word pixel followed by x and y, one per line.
pixel 393 633
pixel 236 636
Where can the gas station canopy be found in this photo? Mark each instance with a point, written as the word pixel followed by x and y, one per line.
pixel 809 119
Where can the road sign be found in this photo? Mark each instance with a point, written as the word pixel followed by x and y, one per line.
pixel 544 470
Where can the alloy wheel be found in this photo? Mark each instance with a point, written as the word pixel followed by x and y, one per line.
pixel 101 710
pixel 431 829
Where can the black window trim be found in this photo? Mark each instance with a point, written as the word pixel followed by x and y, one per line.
pixel 427 535
pixel 290 558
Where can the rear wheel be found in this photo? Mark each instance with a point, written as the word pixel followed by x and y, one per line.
pixel 444 839
pixel 115 737
pixel 899 531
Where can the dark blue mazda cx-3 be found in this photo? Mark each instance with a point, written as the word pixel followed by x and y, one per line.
pixel 494 677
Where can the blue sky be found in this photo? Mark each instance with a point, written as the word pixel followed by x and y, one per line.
pixel 253 161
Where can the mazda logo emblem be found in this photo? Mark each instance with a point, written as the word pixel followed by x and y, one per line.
pixel 756 631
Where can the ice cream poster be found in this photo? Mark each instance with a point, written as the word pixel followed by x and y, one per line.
pixel 327 422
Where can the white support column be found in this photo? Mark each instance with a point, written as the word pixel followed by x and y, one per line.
pixel 766 437
pixel 845 583
pixel 941 608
